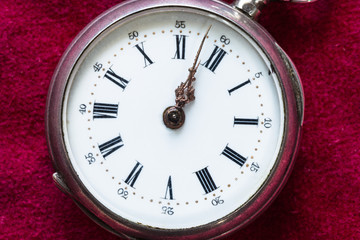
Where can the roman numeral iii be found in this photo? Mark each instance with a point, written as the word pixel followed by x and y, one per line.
pixel 215 59
pixel 105 110
pixel 111 146
pixel 234 156
pixel 115 78
pixel 141 49
pixel 206 180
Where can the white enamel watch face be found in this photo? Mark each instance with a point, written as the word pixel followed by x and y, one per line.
pixel 113 142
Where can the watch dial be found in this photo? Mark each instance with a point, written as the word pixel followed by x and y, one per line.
pixel 119 145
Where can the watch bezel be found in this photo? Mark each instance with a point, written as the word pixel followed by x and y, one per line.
pixel 293 107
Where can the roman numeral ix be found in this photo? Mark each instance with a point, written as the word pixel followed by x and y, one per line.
pixel 105 110
pixel 111 146
pixel 206 180
pixel 115 78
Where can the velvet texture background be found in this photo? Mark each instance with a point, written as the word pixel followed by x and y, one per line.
pixel 322 197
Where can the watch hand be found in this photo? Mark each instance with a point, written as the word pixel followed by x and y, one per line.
pixel 174 116
pixel 185 93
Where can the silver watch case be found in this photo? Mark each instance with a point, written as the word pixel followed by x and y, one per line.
pixel 67 179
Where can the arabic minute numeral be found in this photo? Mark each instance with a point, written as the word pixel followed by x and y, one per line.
pixel 132 35
pixel 258 75
pixel 97 67
pixel 167 210
pixel 123 193
pixel 217 201
pixel 180 24
pixel 225 40
pixel 82 109
pixel 254 167
pixel 90 158
pixel 267 123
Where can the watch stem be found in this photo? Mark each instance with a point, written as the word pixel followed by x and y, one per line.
pixel 174 117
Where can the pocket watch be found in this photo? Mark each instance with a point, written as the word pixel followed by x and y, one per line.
pixel 174 119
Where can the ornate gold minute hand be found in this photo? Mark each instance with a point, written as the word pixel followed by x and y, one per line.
pixel 185 93
pixel 174 116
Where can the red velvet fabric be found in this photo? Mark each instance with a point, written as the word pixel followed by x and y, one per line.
pixel 322 197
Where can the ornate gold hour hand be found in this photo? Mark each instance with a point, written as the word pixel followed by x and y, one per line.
pixel 185 93
pixel 174 116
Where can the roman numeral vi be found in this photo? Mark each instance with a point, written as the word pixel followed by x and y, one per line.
pixel 169 190
pixel 115 78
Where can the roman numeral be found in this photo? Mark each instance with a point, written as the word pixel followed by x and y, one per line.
pixel 246 121
pixel 239 86
pixel 234 156
pixel 105 110
pixel 271 70
pixel 169 190
pixel 215 59
pixel 141 49
pixel 180 47
pixel 112 76
pixel 134 174
pixel 111 146
pixel 206 180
